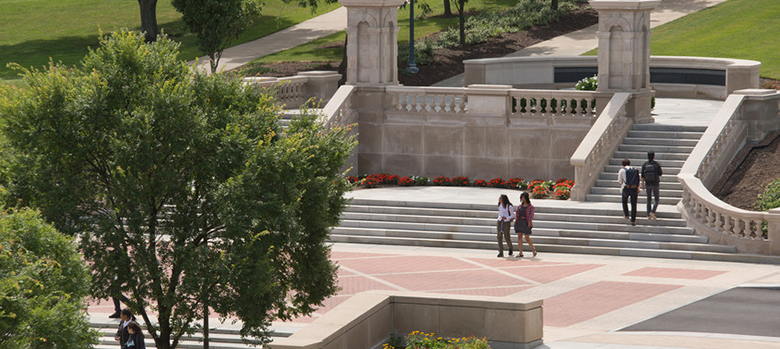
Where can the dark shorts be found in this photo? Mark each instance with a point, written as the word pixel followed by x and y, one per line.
pixel 521 227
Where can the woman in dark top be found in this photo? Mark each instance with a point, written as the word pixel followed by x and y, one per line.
pixel 524 222
pixel 136 340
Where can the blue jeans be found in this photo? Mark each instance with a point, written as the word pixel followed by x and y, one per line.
pixel 652 192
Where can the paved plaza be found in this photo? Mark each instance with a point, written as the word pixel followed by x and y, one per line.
pixel 587 298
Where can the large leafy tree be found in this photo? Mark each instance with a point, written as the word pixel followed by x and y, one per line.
pixel 182 185
pixel 43 286
pixel 216 22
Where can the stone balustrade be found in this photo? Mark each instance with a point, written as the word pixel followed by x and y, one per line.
pixel 293 91
pixel 427 99
pixel 719 221
pixel 527 103
pixel 338 112
pixel 599 144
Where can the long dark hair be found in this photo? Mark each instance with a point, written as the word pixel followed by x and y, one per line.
pixel 136 328
pixel 527 198
pixel 505 199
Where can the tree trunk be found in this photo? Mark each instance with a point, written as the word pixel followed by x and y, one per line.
pixel 462 21
pixel 149 19
pixel 447 8
pixel 555 5
pixel 205 326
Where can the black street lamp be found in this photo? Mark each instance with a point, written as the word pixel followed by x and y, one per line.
pixel 411 68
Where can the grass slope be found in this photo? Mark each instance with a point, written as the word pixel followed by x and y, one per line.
pixel 63 30
pixel 743 29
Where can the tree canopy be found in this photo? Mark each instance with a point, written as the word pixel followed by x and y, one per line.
pixel 216 22
pixel 183 187
pixel 43 286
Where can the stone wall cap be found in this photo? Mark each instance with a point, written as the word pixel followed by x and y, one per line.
pixel 489 87
pixel 371 3
pixel 755 92
pixel 319 73
pixel 624 4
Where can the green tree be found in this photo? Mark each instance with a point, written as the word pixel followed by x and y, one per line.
pixel 216 22
pixel 460 6
pixel 43 286
pixel 182 184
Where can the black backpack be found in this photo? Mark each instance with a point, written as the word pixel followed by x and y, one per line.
pixel 651 172
pixel 632 178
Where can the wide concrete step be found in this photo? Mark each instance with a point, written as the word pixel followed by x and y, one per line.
pixel 637 162
pixel 665 185
pixel 439 216
pixel 488 211
pixel 554 248
pixel 553 236
pixel 631 155
pixel 635 133
pixel 612 176
pixel 652 142
pixel 613 190
pixel 490 228
pixel 668 171
pixel 656 148
pixel 618 198
pixel 668 128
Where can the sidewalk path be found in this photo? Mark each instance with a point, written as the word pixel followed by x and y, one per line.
pixel 284 39
pixel 581 41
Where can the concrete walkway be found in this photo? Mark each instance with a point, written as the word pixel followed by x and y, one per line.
pixel 581 41
pixel 285 39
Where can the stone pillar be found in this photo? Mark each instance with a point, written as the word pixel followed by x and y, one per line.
pixel 624 51
pixel 372 45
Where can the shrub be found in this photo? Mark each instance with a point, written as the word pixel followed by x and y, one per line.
pixel 460 181
pixel 540 192
pixel 442 180
pixel 535 183
pixel 562 192
pixel 588 84
pixel 770 198
pixel 515 183
pixel 480 183
pixel 406 181
pixel 421 340
pixel 497 183
pixel 420 180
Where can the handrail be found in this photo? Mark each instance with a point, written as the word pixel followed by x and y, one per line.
pixel 339 110
pixel 599 144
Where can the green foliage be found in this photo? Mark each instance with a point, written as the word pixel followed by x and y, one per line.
pixel 43 286
pixel 770 198
pixel 216 22
pixel 183 184
pixel 485 25
pixel 422 340
pixel 588 84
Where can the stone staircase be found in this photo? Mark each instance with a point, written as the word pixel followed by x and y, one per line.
pixel 672 145
pixel 219 338
pixel 596 226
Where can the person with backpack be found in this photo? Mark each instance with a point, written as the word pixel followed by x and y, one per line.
pixel 628 177
pixel 651 182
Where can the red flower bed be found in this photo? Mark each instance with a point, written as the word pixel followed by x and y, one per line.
pixel 442 180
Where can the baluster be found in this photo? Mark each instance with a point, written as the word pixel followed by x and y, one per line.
pixel 728 226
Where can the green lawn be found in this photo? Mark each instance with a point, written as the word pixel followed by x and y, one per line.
pixel 36 30
pixel 323 49
pixel 744 29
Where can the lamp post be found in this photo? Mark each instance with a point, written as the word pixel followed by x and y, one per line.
pixel 411 68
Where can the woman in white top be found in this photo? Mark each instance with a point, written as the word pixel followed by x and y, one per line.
pixel 506 214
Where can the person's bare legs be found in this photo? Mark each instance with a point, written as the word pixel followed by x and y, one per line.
pixel 530 243
pixel 519 245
